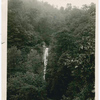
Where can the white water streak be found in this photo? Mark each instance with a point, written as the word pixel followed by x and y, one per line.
pixel 45 60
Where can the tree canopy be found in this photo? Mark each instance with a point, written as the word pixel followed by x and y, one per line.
pixel 70 36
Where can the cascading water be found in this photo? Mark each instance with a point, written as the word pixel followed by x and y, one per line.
pixel 45 60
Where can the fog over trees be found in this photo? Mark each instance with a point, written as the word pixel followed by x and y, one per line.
pixel 69 33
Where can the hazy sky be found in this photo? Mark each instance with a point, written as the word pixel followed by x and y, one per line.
pixel 63 3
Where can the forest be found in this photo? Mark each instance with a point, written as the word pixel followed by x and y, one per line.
pixel 69 33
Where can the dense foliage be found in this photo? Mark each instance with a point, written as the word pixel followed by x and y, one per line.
pixel 70 35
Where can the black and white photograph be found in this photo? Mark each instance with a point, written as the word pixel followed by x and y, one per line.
pixel 51 49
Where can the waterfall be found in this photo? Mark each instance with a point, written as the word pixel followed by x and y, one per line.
pixel 45 60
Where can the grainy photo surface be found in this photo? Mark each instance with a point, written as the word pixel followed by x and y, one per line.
pixel 51 50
